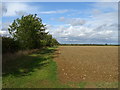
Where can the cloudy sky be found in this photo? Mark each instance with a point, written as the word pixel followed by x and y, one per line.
pixel 68 22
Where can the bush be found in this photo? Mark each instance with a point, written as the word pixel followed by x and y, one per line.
pixel 9 45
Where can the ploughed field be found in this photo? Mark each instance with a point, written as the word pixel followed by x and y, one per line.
pixel 94 66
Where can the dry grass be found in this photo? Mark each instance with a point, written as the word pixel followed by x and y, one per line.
pixel 13 56
pixel 93 64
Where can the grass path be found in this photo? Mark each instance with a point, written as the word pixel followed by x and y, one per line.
pixel 37 70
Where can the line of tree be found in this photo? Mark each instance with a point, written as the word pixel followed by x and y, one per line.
pixel 87 45
pixel 28 32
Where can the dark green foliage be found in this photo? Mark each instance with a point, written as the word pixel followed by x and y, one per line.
pixel 106 44
pixel 51 41
pixel 29 33
pixel 9 45
pixel 54 42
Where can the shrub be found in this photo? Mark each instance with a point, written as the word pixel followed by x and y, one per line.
pixel 9 45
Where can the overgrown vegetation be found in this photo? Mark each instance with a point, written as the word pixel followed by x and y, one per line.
pixel 28 32
pixel 9 45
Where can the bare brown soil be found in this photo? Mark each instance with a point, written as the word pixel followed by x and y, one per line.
pixel 91 64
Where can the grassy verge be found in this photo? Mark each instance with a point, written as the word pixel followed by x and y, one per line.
pixel 36 70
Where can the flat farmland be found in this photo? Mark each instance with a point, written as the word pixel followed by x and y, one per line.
pixel 91 66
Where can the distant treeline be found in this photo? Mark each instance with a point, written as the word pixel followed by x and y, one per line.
pixel 28 32
pixel 88 45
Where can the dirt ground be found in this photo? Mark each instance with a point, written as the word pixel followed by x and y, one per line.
pixel 93 64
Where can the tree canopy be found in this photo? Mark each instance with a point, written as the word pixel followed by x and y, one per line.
pixel 29 32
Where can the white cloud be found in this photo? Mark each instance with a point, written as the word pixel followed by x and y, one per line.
pixel 103 19
pixel 13 9
pixel 101 28
pixel 72 21
pixel 82 34
pixel 76 21
pixel 54 12
pixel 4 33
pixel 62 19
pixel 106 5
pixel 4 29
pixel 96 12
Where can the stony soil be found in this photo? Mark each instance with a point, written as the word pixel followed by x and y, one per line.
pixel 91 64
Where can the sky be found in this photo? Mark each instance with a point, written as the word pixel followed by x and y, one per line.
pixel 69 22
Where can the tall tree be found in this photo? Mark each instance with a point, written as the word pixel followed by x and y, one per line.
pixel 28 30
